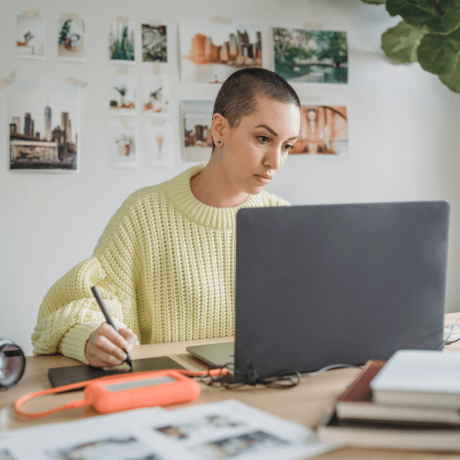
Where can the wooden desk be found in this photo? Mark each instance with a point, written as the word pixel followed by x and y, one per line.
pixel 304 404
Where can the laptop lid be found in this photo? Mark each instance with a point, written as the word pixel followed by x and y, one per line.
pixel 330 284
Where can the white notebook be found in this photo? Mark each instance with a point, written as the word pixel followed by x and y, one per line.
pixel 419 378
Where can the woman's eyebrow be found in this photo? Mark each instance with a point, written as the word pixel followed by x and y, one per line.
pixel 271 130
pixel 268 129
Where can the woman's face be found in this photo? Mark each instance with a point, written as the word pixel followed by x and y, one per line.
pixel 257 148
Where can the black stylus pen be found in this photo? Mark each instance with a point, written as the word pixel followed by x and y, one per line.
pixel 109 319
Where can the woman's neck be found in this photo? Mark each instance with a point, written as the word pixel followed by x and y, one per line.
pixel 213 188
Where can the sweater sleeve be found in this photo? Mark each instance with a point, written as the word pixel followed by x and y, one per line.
pixel 69 312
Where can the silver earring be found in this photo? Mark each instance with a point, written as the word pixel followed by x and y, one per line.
pixel 219 142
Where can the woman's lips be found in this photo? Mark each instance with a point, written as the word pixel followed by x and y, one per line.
pixel 264 178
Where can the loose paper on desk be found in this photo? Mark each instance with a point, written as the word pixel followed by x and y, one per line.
pixel 228 429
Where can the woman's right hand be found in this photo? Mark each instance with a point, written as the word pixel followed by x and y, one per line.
pixel 104 347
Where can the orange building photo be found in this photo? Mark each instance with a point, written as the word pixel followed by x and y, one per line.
pixel 211 52
pixel 323 131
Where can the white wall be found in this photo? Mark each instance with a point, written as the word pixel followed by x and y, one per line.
pixel 404 138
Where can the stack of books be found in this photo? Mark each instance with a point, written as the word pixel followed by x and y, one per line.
pixel 411 402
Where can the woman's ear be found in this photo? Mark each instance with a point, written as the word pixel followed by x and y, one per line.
pixel 219 128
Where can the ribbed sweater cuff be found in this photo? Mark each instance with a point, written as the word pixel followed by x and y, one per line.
pixel 73 343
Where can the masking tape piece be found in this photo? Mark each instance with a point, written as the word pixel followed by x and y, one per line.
pixel 156 122
pixel 305 100
pixel 313 25
pixel 4 82
pixel 75 82
pixel 156 68
pixel 124 122
pixel 30 13
pixel 122 71
pixel 122 19
pixel 155 22
pixel 72 16
pixel 221 20
pixel 75 17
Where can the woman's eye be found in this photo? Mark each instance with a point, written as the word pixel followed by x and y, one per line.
pixel 287 147
pixel 264 139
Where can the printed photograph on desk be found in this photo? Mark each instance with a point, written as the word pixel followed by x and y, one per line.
pixel 159 140
pixel 155 95
pixel 210 52
pixel 311 56
pixel 44 126
pixel 123 142
pixel 71 38
pixel 122 95
pixel 196 125
pixel 30 37
pixel 257 442
pixel 116 447
pixel 122 42
pixel 323 131
pixel 199 428
pixel 154 43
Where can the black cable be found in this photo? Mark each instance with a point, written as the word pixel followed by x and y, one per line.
pixel 284 379
pixel 280 380
pixel 446 343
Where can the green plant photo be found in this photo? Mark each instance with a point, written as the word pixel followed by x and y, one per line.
pixel 429 33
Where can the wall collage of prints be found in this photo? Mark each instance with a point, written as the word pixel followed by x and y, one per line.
pixel 44 116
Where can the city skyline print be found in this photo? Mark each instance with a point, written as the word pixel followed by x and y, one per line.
pixel 323 131
pixel 311 56
pixel 44 126
pixel 210 52
pixel 30 37
pixel 196 124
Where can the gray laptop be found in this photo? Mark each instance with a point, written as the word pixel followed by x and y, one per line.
pixel 330 284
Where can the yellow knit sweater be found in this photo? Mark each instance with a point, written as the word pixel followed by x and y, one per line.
pixel 165 267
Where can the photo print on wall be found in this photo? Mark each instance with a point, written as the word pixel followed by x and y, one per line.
pixel 311 56
pixel 196 123
pixel 154 43
pixel 155 95
pixel 71 38
pixel 122 95
pixel 123 142
pixel 30 37
pixel 122 42
pixel 44 126
pixel 211 52
pixel 158 144
pixel 323 131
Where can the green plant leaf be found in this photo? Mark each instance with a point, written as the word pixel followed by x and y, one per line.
pixel 374 2
pixel 452 79
pixel 438 53
pixel 437 16
pixel 400 43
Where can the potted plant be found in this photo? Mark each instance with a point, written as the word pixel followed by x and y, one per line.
pixel 122 90
pixel 428 33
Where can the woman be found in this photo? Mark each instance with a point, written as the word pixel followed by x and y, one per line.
pixel 165 264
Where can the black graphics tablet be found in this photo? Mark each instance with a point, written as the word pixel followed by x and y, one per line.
pixel 60 376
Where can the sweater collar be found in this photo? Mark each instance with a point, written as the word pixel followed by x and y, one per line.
pixel 219 218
